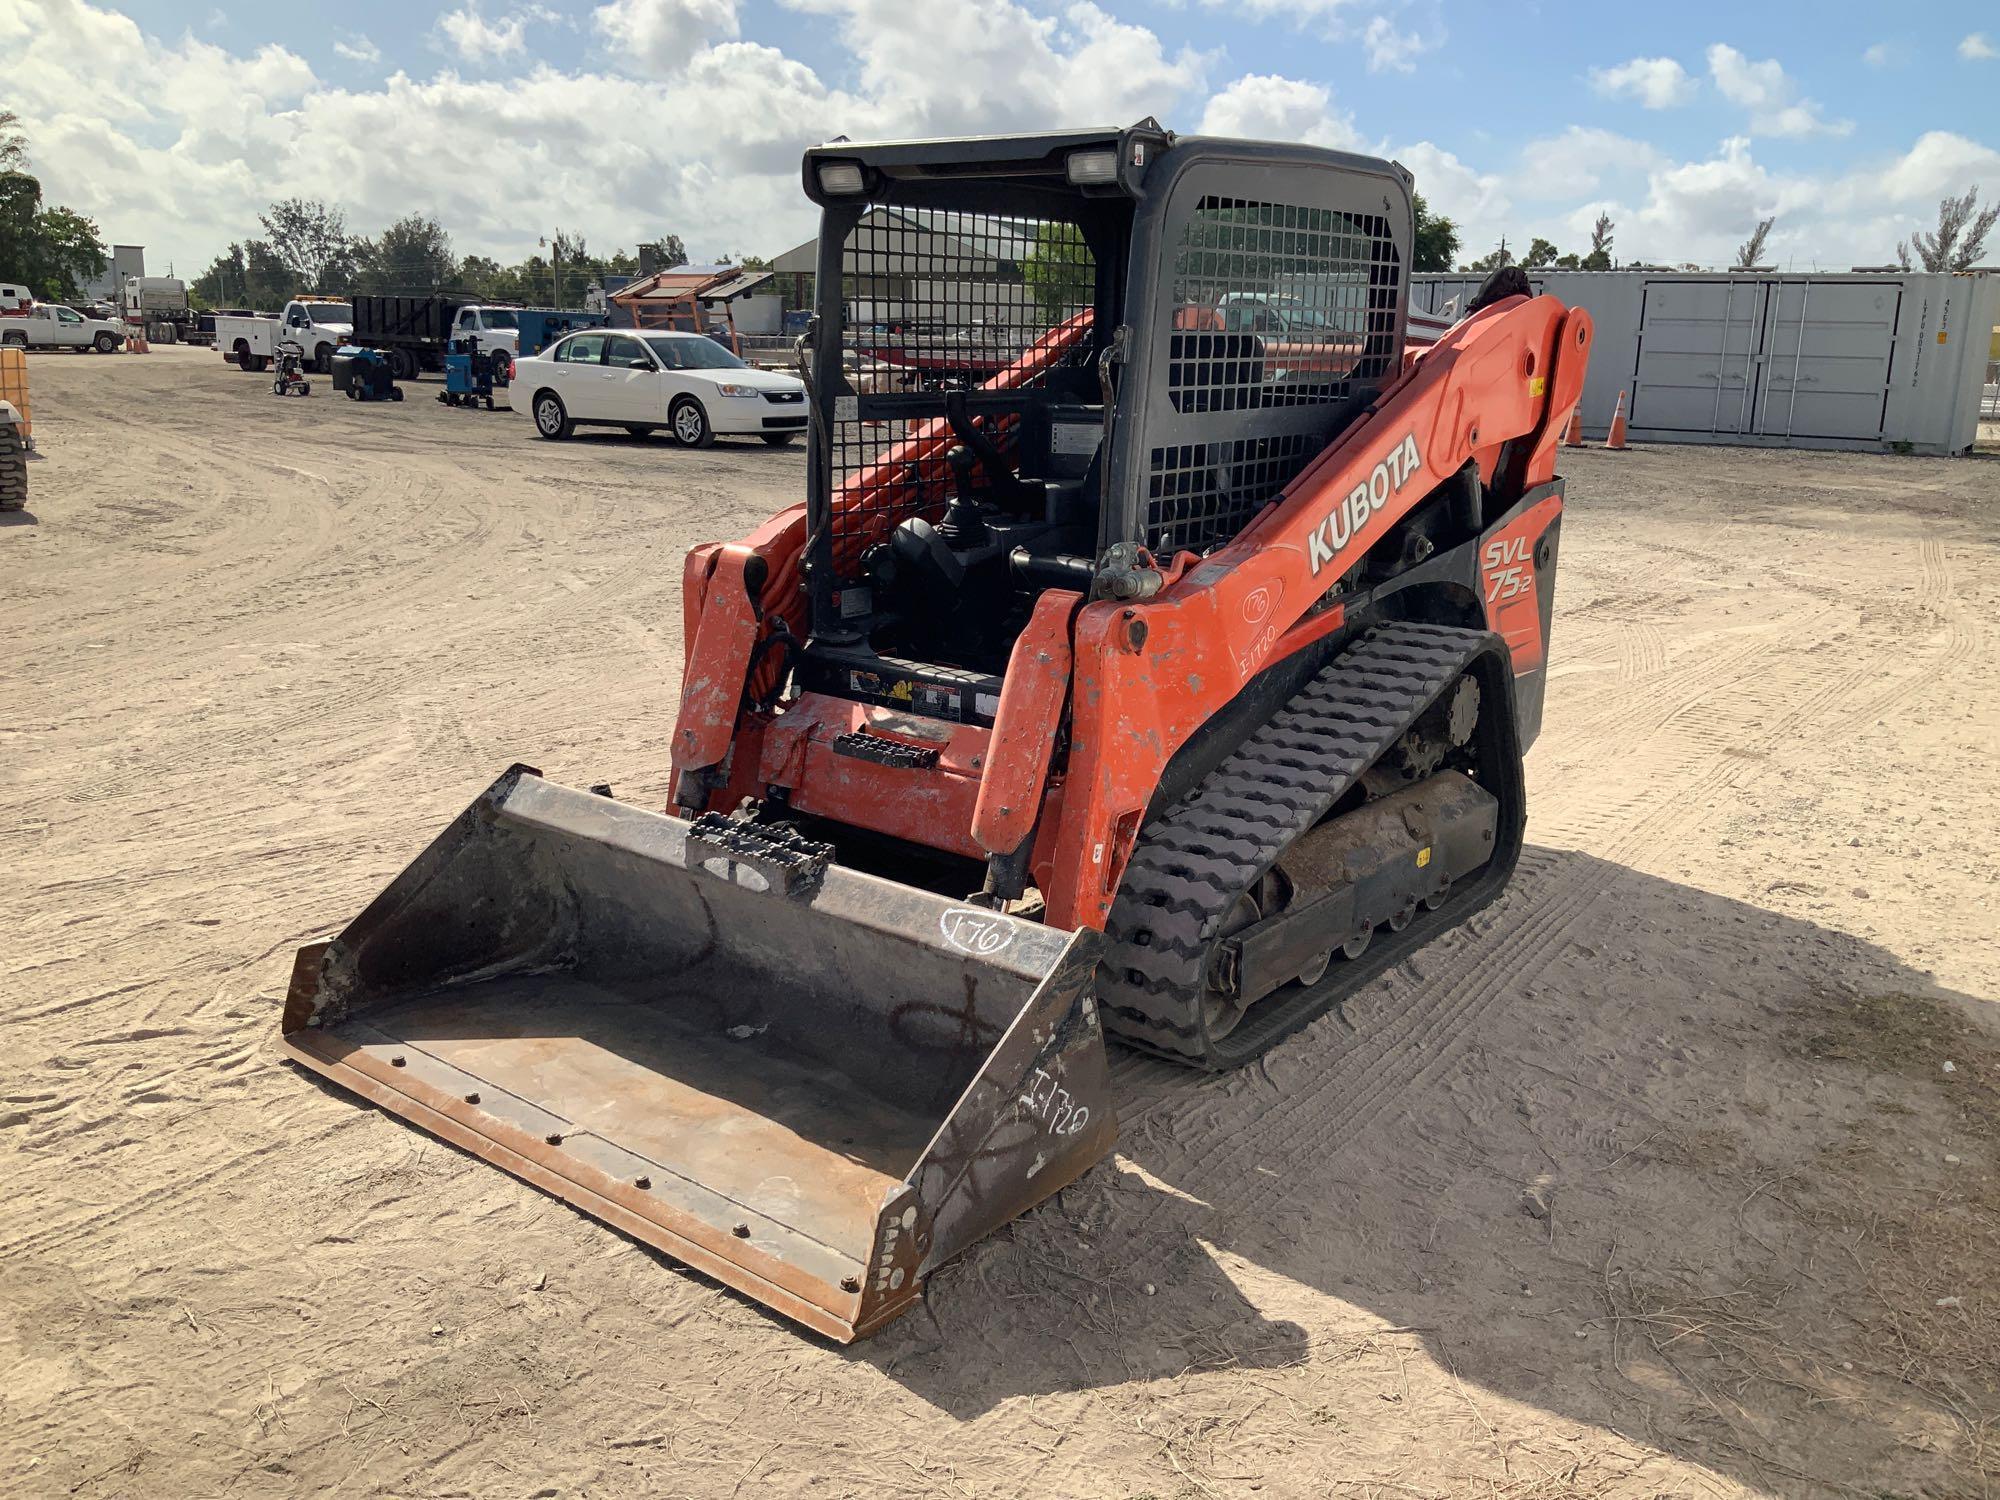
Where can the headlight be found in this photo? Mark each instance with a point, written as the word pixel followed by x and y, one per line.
pixel 844 177
pixel 737 390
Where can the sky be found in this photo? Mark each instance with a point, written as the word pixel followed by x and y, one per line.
pixel 173 124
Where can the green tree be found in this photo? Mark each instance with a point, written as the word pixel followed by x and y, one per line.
pixel 53 251
pixel 1059 271
pixel 1501 256
pixel 311 239
pixel 413 256
pixel 1541 253
pixel 1437 239
pixel 1569 261
pixel 668 252
pixel 13 143
pixel 247 274
pixel 1599 258
pixel 1752 250
pixel 1959 239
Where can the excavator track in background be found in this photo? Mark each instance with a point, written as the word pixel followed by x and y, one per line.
pixel 1196 864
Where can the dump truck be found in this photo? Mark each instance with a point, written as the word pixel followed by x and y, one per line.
pixel 417 333
pixel 1166 683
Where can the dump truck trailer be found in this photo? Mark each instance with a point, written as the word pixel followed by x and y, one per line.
pixel 1167 680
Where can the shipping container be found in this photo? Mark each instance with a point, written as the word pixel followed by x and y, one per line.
pixel 1862 360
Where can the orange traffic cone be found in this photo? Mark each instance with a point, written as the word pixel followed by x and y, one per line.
pixel 1573 434
pixel 1616 441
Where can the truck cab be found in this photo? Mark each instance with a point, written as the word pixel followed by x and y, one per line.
pixel 496 328
pixel 318 325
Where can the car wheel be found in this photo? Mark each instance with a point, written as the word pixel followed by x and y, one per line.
pixel 551 419
pixel 323 361
pixel 395 393
pixel 690 424
pixel 15 340
pixel 779 439
pixel 106 342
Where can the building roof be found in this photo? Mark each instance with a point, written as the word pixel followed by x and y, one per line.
pixel 701 283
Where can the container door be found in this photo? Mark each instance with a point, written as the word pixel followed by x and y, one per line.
pixel 1828 346
pixel 1699 348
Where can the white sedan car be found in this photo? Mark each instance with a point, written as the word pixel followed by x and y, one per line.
pixel 684 382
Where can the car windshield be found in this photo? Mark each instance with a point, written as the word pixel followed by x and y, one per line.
pixel 329 312
pixel 498 317
pixel 693 352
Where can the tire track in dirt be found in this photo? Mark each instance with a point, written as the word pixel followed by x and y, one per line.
pixel 1434 1009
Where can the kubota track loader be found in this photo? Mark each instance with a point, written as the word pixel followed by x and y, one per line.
pixel 1153 652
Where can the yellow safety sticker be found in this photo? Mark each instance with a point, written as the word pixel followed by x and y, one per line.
pixel 1943 337
pixel 1537 384
pixel 1423 856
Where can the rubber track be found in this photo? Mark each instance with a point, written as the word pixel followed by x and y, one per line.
pixel 1193 862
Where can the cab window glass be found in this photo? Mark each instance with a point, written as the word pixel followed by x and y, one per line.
pixel 584 349
pixel 622 351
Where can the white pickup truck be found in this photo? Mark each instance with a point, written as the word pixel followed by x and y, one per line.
pixel 315 327
pixel 50 325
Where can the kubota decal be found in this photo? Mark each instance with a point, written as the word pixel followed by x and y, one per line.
pixel 1358 505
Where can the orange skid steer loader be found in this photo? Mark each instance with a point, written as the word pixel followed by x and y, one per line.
pixel 1153 653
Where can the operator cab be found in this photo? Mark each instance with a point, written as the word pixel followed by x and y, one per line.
pixel 1042 362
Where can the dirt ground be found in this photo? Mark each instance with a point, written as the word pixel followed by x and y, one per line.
pixel 1674 1173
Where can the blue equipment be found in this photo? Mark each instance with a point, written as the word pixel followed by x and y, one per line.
pixel 541 326
pixel 365 375
pixel 468 374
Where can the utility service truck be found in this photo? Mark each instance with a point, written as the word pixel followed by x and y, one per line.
pixel 315 326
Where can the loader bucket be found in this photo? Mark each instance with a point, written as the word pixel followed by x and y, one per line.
pixel 809 1083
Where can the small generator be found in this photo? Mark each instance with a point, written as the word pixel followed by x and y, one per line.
pixel 365 375
pixel 468 374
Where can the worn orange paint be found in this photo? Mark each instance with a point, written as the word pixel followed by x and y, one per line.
pixel 1024 730
pixel 718 660
pixel 1146 675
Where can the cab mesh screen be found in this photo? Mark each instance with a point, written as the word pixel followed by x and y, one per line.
pixel 1274 307
pixel 935 301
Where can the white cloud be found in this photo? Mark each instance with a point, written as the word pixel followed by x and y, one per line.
pixel 359 50
pixel 1264 106
pixel 1299 12
pixel 662 35
pixel 956 65
pixel 1655 82
pixel 1580 160
pixel 478 40
pixel 1771 97
pixel 710 150
pixel 1883 55
pixel 1477 202
pixel 1391 49
pixel 1975 48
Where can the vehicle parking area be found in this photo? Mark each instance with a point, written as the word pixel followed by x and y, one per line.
pixel 1675 1172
